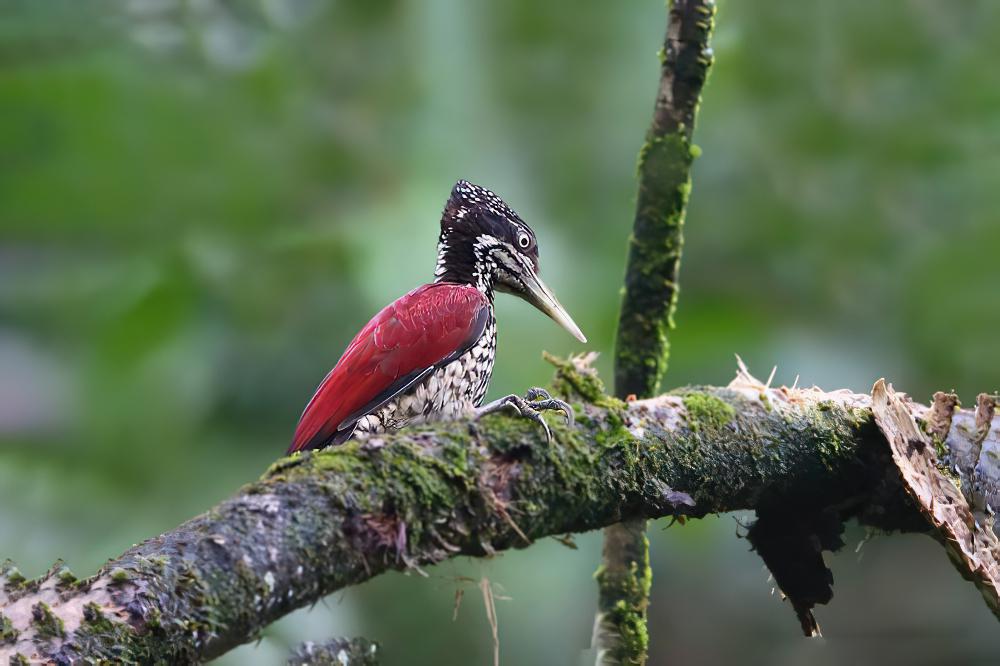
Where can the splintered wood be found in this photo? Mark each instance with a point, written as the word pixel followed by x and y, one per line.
pixel 971 544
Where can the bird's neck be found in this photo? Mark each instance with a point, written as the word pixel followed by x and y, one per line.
pixel 463 260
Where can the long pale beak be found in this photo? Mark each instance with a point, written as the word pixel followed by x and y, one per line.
pixel 542 298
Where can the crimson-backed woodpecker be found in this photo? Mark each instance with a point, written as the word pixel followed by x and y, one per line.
pixel 429 354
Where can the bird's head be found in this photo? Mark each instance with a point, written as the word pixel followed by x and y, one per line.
pixel 485 243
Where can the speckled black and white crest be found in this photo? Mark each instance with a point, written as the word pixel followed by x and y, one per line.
pixel 474 208
pixel 468 197
pixel 475 225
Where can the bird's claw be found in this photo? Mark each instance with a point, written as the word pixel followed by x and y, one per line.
pixel 540 399
pixel 531 406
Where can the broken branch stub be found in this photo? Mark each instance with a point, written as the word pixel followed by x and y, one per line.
pixel 971 544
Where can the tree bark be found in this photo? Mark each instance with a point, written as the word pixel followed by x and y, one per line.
pixel 316 523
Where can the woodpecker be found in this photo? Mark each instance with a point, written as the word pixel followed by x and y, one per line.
pixel 429 354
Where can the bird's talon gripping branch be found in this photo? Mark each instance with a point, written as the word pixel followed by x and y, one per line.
pixel 530 406
pixel 541 399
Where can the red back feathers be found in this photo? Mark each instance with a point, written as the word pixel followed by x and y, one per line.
pixel 424 329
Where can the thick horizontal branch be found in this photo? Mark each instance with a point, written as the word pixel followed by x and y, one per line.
pixel 320 522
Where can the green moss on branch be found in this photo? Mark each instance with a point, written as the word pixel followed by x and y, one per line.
pixel 47 625
pixel 704 410
pixel 8 634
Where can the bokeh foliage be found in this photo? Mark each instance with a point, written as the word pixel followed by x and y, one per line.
pixel 201 201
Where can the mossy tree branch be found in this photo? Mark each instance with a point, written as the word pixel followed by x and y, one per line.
pixel 320 522
pixel 650 297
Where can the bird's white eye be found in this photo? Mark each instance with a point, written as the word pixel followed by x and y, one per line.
pixel 523 241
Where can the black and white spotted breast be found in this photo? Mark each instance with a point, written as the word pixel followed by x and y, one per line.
pixel 449 392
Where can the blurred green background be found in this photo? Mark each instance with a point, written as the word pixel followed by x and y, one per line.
pixel 201 202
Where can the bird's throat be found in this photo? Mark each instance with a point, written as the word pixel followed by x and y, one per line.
pixel 463 260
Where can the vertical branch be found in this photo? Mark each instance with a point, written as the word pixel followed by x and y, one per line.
pixel 642 346
pixel 623 582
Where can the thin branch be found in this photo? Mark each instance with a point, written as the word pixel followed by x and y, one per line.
pixel 623 583
pixel 641 347
pixel 336 652
pixel 648 303
pixel 317 523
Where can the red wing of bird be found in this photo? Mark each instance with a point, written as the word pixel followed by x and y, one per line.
pixel 420 331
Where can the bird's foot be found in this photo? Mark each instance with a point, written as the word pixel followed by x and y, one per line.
pixel 531 406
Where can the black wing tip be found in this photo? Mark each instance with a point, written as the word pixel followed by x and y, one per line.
pixel 321 440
